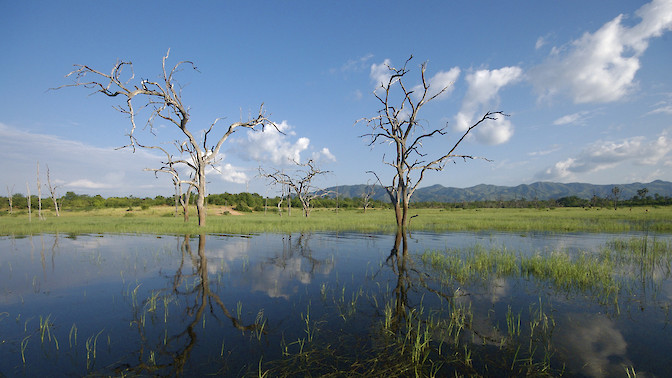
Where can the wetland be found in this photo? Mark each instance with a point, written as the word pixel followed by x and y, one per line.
pixel 336 303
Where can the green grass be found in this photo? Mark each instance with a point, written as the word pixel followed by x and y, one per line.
pixel 158 220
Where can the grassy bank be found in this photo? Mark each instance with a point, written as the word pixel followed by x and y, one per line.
pixel 160 220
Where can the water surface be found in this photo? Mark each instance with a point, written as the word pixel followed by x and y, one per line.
pixel 329 303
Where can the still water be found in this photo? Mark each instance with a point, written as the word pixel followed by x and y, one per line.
pixel 327 304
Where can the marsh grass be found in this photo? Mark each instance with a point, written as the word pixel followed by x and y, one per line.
pixel 156 221
pixel 582 273
pixel 416 340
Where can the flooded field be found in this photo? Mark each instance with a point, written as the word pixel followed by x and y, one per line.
pixel 426 304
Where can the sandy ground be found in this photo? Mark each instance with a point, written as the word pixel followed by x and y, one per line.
pixel 220 210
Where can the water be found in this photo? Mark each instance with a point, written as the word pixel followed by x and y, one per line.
pixel 320 303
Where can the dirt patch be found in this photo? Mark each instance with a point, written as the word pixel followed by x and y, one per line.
pixel 223 209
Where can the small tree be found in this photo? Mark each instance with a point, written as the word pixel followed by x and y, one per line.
pixel 616 191
pixel 9 197
pixel 169 167
pixel 300 182
pixel 642 193
pixel 399 125
pixel 52 193
pixel 369 191
pixel 164 98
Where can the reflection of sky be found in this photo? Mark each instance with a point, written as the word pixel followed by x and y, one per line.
pixel 41 271
pixel 592 345
pixel 49 264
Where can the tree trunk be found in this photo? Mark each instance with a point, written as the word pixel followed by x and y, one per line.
pixel 200 200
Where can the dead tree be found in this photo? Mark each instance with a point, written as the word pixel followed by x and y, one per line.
pixel 301 182
pixel 398 124
pixel 52 193
pixel 10 197
pixel 30 213
pixel 164 98
pixel 169 167
pixel 369 191
pixel 39 194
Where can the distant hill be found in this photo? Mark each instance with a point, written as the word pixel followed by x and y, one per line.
pixel 539 190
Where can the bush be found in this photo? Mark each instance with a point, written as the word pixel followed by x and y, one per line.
pixel 242 208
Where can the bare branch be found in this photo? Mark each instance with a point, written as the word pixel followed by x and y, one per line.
pixel 164 100
pixel 398 124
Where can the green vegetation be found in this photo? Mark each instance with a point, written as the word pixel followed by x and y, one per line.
pixel 161 220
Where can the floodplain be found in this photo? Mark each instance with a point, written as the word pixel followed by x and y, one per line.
pixel 588 293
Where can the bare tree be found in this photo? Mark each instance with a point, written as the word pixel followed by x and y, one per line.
pixel 164 98
pixel 10 197
pixel 301 182
pixel 52 193
pixel 400 126
pixel 369 191
pixel 30 213
pixel 168 167
pixel 39 194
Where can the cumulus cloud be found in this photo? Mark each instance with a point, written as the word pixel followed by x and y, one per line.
pixel 230 173
pixel 484 86
pixel 609 154
pixel 324 154
pixel 273 146
pixel 601 66
pixel 380 73
pixel 440 80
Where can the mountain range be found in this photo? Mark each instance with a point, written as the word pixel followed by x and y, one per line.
pixel 537 190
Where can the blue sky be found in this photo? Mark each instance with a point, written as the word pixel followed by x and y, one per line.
pixel 587 86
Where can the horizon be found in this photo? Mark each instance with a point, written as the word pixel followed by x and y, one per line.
pixel 587 92
pixel 350 185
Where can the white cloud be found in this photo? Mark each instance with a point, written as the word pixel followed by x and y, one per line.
pixel 495 131
pixel 601 67
pixel 541 41
pixel 553 148
pixel 273 146
pixel 440 80
pixel 87 184
pixel 664 106
pixel 380 73
pixel 579 118
pixel 599 156
pixel 484 86
pixel 353 65
pixel 77 166
pixel 230 173
pixel 324 154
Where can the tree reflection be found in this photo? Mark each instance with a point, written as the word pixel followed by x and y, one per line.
pixel 190 284
pixel 277 275
pixel 398 260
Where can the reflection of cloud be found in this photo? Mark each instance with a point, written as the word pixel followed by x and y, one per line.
pixel 593 345
pixel 499 288
pixel 229 252
pixel 280 278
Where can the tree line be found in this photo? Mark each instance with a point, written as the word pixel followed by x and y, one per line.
pixel 249 202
